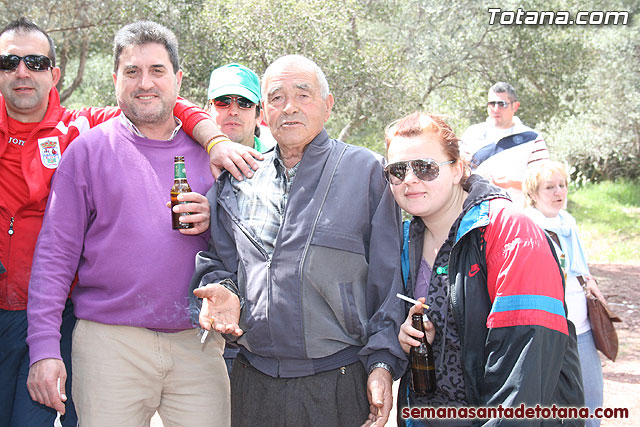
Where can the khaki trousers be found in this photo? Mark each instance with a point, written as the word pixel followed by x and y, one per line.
pixel 122 375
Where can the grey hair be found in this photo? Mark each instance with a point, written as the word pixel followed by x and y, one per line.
pixel 297 60
pixel 144 32
pixel 502 87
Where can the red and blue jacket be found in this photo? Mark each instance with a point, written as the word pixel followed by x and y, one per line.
pixel 506 293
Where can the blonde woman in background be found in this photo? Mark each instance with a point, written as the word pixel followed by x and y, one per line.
pixel 545 189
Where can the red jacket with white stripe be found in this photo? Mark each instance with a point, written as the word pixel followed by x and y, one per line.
pixel 40 157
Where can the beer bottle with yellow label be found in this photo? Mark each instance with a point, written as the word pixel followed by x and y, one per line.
pixel 180 185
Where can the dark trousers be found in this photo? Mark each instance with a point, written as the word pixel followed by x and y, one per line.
pixel 16 407
pixel 230 352
pixel 332 398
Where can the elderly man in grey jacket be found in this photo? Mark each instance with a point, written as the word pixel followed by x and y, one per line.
pixel 302 269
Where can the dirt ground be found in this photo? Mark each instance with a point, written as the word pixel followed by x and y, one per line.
pixel 620 285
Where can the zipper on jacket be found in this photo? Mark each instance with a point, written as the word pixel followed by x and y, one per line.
pixel 248 234
pixel 11 231
pixel 317 218
pixel 307 244
pixel 258 246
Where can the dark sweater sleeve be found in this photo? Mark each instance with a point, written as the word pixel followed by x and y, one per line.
pixel 384 280
pixel 218 262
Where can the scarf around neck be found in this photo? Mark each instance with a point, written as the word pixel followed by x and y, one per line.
pixel 564 225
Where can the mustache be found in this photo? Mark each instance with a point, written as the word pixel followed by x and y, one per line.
pixel 23 82
pixel 293 118
pixel 145 92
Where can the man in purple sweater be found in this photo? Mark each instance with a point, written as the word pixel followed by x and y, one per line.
pixel 134 349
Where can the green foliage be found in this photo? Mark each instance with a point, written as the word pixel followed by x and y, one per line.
pixel 100 92
pixel 608 215
pixel 599 134
pixel 579 85
pixel 332 33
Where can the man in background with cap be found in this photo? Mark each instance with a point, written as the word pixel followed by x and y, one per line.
pixel 234 104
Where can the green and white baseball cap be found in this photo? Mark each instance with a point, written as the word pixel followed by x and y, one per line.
pixel 234 79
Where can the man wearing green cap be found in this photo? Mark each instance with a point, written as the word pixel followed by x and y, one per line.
pixel 234 103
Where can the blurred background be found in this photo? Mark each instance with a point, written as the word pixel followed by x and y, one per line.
pixel 578 84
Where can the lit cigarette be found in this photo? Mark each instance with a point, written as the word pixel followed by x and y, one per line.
pixel 412 301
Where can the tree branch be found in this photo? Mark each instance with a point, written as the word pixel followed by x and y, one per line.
pixel 80 73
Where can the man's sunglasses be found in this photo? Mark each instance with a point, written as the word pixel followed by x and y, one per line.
pixel 225 102
pixel 423 169
pixel 501 104
pixel 33 62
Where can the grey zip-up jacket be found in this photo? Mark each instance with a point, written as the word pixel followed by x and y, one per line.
pixel 326 295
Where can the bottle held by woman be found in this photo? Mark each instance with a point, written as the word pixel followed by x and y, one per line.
pixel 423 370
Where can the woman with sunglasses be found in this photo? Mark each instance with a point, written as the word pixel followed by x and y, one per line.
pixel 497 321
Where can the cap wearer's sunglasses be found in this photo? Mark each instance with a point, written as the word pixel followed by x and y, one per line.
pixel 33 62
pixel 501 104
pixel 225 102
pixel 423 169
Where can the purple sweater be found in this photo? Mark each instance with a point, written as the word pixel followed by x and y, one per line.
pixel 107 219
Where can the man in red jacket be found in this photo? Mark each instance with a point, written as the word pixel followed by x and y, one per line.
pixel 34 132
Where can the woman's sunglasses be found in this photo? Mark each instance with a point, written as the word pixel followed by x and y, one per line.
pixel 225 102
pixel 423 169
pixel 33 62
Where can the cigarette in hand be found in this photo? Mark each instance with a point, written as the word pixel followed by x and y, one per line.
pixel 412 301
pixel 57 422
pixel 206 332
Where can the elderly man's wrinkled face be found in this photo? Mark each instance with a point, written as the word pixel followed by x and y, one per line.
pixel 26 91
pixel 293 105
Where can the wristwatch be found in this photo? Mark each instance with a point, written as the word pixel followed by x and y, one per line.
pixel 382 365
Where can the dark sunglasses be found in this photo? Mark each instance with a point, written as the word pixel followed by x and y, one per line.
pixel 33 62
pixel 225 102
pixel 424 169
pixel 501 104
